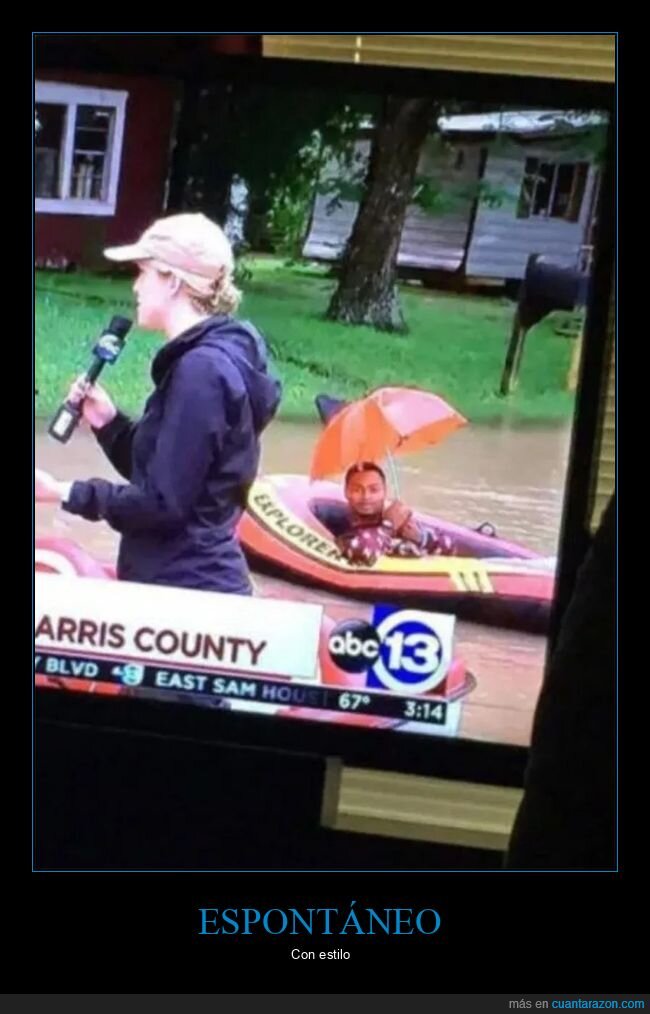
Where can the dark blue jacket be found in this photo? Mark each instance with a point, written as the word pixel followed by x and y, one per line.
pixel 189 461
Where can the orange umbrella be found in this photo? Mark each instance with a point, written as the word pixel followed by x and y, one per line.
pixel 390 420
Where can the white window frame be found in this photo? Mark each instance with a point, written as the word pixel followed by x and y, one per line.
pixel 71 96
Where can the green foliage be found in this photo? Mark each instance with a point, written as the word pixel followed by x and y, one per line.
pixel 455 347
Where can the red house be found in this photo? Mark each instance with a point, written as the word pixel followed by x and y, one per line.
pixel 104 137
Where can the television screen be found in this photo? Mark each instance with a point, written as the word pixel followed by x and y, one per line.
pixel 418 269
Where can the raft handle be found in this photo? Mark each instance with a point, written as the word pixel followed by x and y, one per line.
pixel 487 529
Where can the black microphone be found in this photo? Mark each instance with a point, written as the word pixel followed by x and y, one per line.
pixel 108 347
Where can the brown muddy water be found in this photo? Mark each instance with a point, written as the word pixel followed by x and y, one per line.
pixel 511 477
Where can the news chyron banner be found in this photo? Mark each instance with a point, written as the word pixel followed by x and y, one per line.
pixel 157 637
pixel 390 668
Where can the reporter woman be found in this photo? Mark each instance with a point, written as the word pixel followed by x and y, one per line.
pixel 190 459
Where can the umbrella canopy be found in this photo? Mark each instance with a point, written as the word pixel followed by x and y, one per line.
pixel 389 421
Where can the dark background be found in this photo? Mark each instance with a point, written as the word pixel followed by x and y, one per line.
pixel 514 931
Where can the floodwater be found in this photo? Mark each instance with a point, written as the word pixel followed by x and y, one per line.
pixel 510 477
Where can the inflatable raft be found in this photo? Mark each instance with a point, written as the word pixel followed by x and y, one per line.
pixel 290 526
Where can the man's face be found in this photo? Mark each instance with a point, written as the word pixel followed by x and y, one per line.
pixel 366 492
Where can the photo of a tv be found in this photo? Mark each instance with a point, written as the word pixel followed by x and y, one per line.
pixel 417 256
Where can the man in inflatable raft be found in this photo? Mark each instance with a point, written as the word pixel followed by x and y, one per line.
pixel 380 529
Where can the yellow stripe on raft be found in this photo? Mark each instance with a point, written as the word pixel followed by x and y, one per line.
pixel 466 573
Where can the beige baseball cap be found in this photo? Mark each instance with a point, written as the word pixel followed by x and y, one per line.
pixel 190 245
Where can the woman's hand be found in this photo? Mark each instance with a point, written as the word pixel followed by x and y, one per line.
pixel 46 488
pixel 98 410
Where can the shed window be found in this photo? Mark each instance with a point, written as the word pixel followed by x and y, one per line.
pixel 553 189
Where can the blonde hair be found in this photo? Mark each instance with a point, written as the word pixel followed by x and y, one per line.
pixel 208 295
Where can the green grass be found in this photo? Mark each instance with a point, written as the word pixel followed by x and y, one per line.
pixel 456 345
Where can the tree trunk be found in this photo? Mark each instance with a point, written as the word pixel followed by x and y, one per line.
pixel 367 290
pixel 202 173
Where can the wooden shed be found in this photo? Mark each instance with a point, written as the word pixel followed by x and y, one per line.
pixel 511 185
